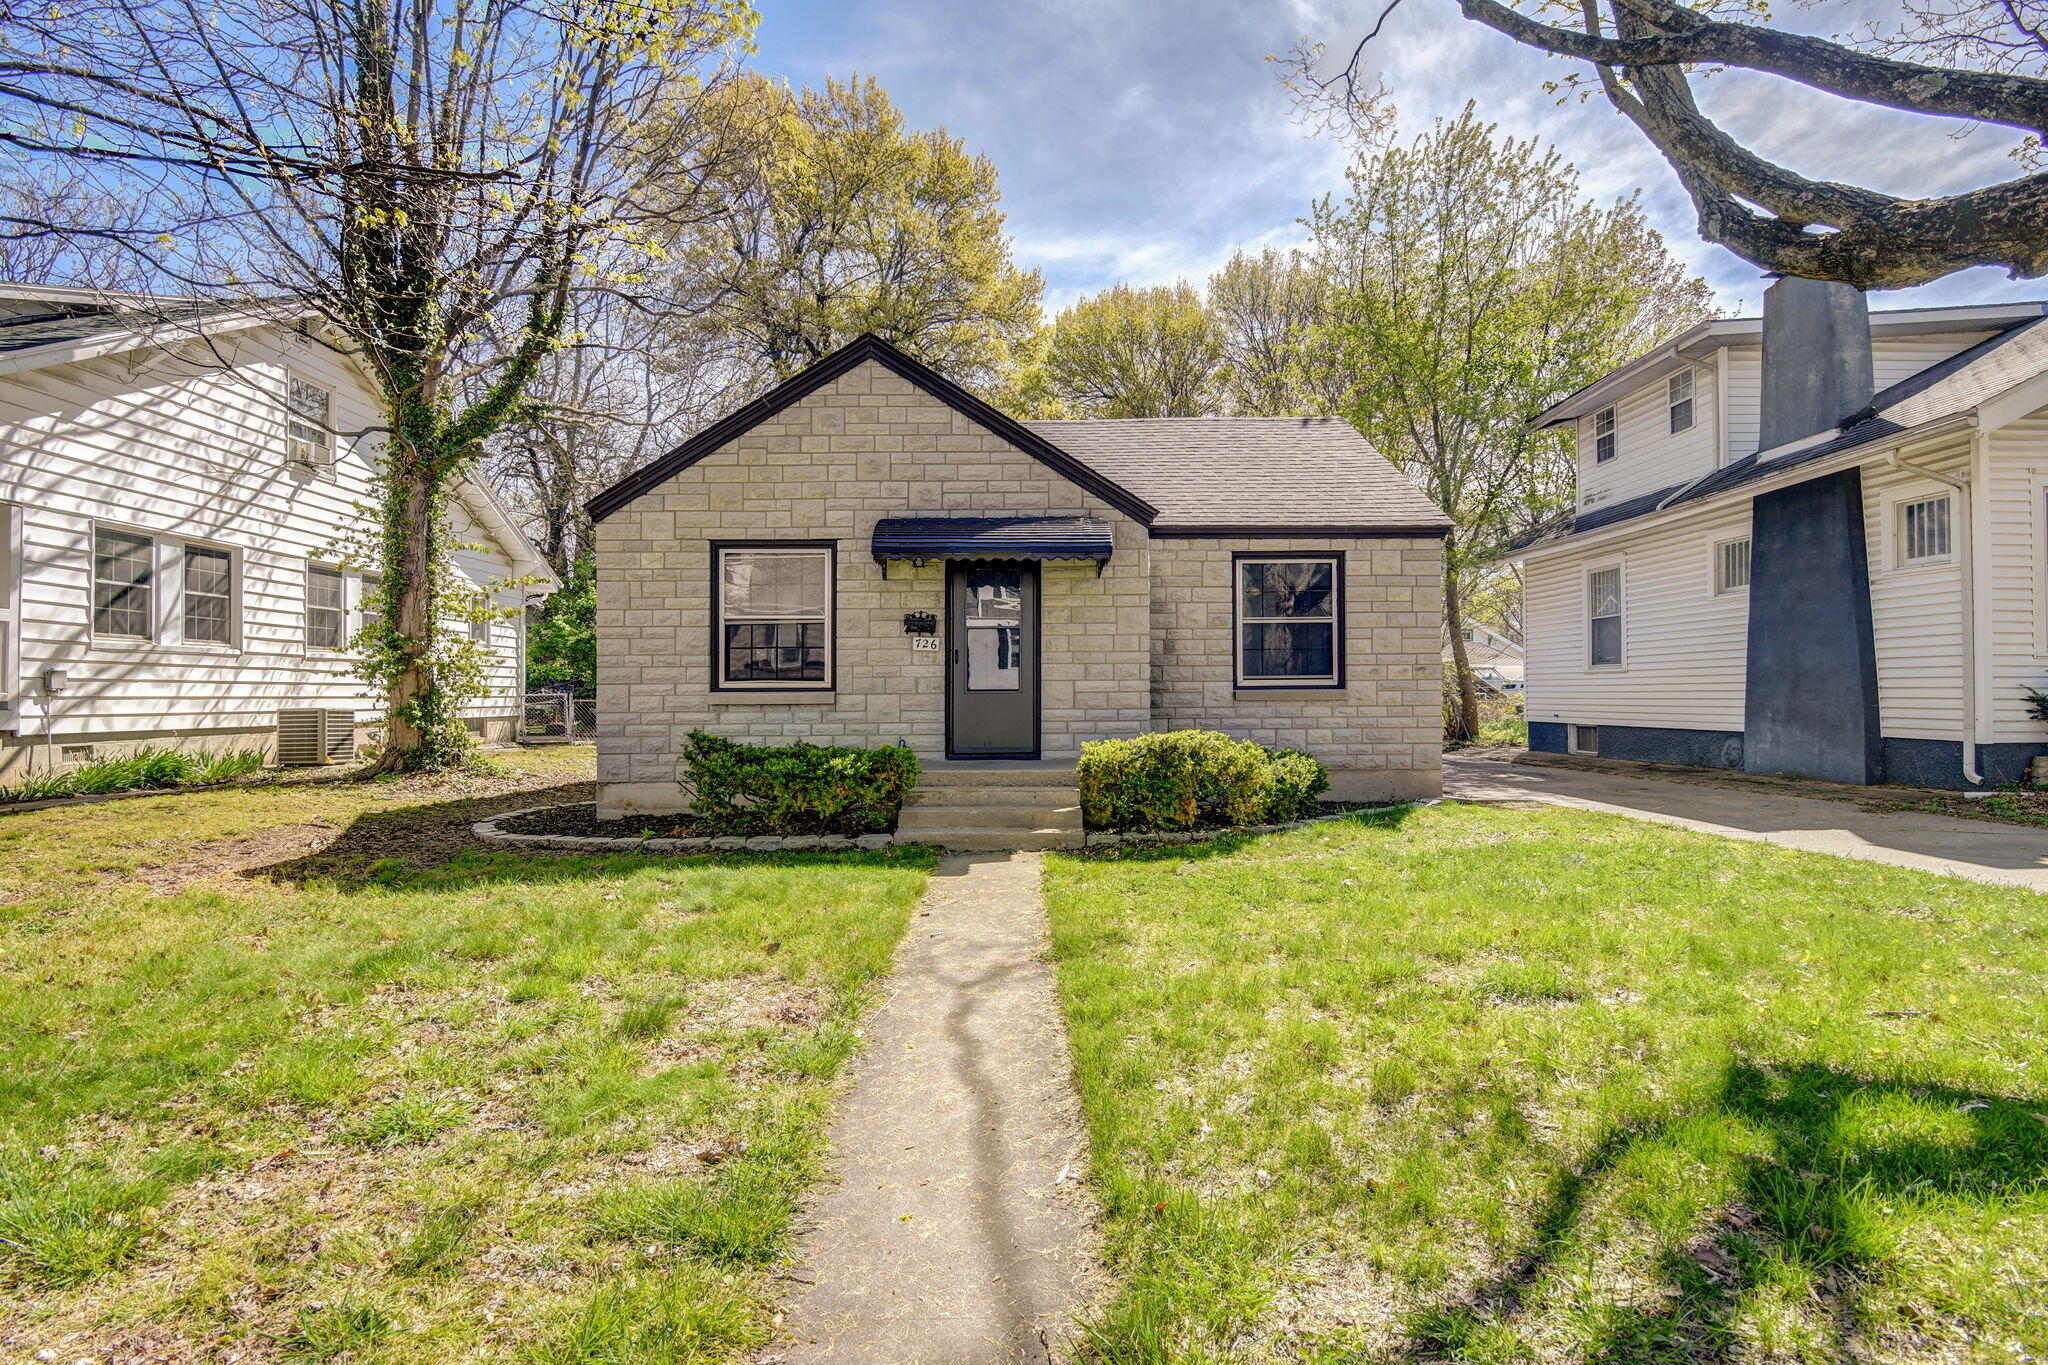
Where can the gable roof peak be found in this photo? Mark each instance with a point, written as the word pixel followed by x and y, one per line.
pixel 863 349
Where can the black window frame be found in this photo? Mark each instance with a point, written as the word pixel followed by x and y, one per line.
pixel 1338 597
pixel 716 596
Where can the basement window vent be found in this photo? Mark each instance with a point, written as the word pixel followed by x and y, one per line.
pixel 308 736
pixel 1585 739
pixel 75 753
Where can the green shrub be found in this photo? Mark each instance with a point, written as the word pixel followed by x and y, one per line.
pixel 38 787
pixel 796 788
pixel 1187 779
pixel 150 768
pixel 226 767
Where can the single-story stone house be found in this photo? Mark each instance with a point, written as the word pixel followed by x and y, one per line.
pixel 869 554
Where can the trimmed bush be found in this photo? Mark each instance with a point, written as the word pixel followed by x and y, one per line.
pixel 1191 779
pixel 795 788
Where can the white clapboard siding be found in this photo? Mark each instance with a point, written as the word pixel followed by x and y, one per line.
pixel 188 445
pixel 2018 513
pixel 1893 359
pixel 1647 455
pixel 1916 612
pixel 1743 391
pixel 1683 648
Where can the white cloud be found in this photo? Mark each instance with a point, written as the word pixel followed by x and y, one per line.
pixel 1145 140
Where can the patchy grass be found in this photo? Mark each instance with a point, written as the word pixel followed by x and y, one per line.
pixel 298 1072
pixel 2006 805
pixel 1496 1085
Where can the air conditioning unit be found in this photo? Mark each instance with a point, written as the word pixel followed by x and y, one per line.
pixel 307 736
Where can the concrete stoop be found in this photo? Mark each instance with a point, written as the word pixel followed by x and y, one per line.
pixel 999 806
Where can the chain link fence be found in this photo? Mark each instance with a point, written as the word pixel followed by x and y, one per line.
pixel 557 718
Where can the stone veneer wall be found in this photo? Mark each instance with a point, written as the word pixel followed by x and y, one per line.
pixel 865 446
pixel 1381 734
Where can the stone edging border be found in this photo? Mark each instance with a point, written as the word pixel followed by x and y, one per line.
pixel 488 832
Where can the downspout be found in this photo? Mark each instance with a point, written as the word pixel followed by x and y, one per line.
pixel 1973 669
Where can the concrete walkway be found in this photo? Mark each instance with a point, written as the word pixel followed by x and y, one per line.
pixel 2011 855
pixel 958 1232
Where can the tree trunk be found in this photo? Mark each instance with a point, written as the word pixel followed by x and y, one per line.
pixel 1462 726
pixel 410 589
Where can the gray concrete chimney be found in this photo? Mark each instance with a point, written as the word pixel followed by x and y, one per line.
pixel 1816 358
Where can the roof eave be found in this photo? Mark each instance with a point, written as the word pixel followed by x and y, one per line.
pixel 1676 511
pixel 121 340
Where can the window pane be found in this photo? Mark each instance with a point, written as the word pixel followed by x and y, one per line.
pixel 209 595
pixel 1288 589
pixel 1731 567
pixel 1927 528
pixel 1607 640
pixel 372 589
pixel 326 618
pixel 995 594
pixel 1604 592
pixel 122 585
pixel 306 412
pixel 791 651
pixel 776 583
pixel 1305 650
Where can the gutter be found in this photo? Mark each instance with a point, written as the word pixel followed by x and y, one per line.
pixel 1975 666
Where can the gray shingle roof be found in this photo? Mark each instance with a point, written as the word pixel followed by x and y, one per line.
pixel 1277 473
pixel 1948 387
pixel 75 322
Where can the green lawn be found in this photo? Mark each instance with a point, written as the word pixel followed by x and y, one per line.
pixel 297 1070
pixel 1509 1085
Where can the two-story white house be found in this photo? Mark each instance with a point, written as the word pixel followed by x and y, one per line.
pixel 178 485
pixel 1812 543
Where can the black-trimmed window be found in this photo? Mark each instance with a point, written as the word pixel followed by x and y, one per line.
pixel 1289 620
pixel 774 616
pixel 326 608
pixel 123 585
pixel 1603 436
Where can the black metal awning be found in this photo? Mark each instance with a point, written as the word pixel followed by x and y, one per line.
pixel 924 538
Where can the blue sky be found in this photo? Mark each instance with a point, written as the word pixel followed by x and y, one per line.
pixel 1145 140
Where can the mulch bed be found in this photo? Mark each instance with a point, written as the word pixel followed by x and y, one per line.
pixel 581 822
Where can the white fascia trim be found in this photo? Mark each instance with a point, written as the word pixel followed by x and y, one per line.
pixel 1848 459
pixel 2028 396
pixel 484 504
pixel 1701 339
pixel 115 343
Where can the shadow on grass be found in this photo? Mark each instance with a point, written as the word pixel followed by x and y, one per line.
pixel 1224 842
pixel 1824 1140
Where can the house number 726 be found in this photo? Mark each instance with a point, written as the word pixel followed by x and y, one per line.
pixel 930 642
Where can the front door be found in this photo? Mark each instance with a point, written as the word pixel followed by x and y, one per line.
pixel 992 660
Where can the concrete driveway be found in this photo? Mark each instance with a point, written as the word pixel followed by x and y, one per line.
pixel 2012 855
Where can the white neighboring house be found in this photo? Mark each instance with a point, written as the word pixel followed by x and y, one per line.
pixel 1495 659
pixel 175 480
pixel 1815 543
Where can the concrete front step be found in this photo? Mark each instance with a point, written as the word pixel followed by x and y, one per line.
pixel 977 796
pixel 917 819
pixel 989 841
pixel 986 806
pixel 944 775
